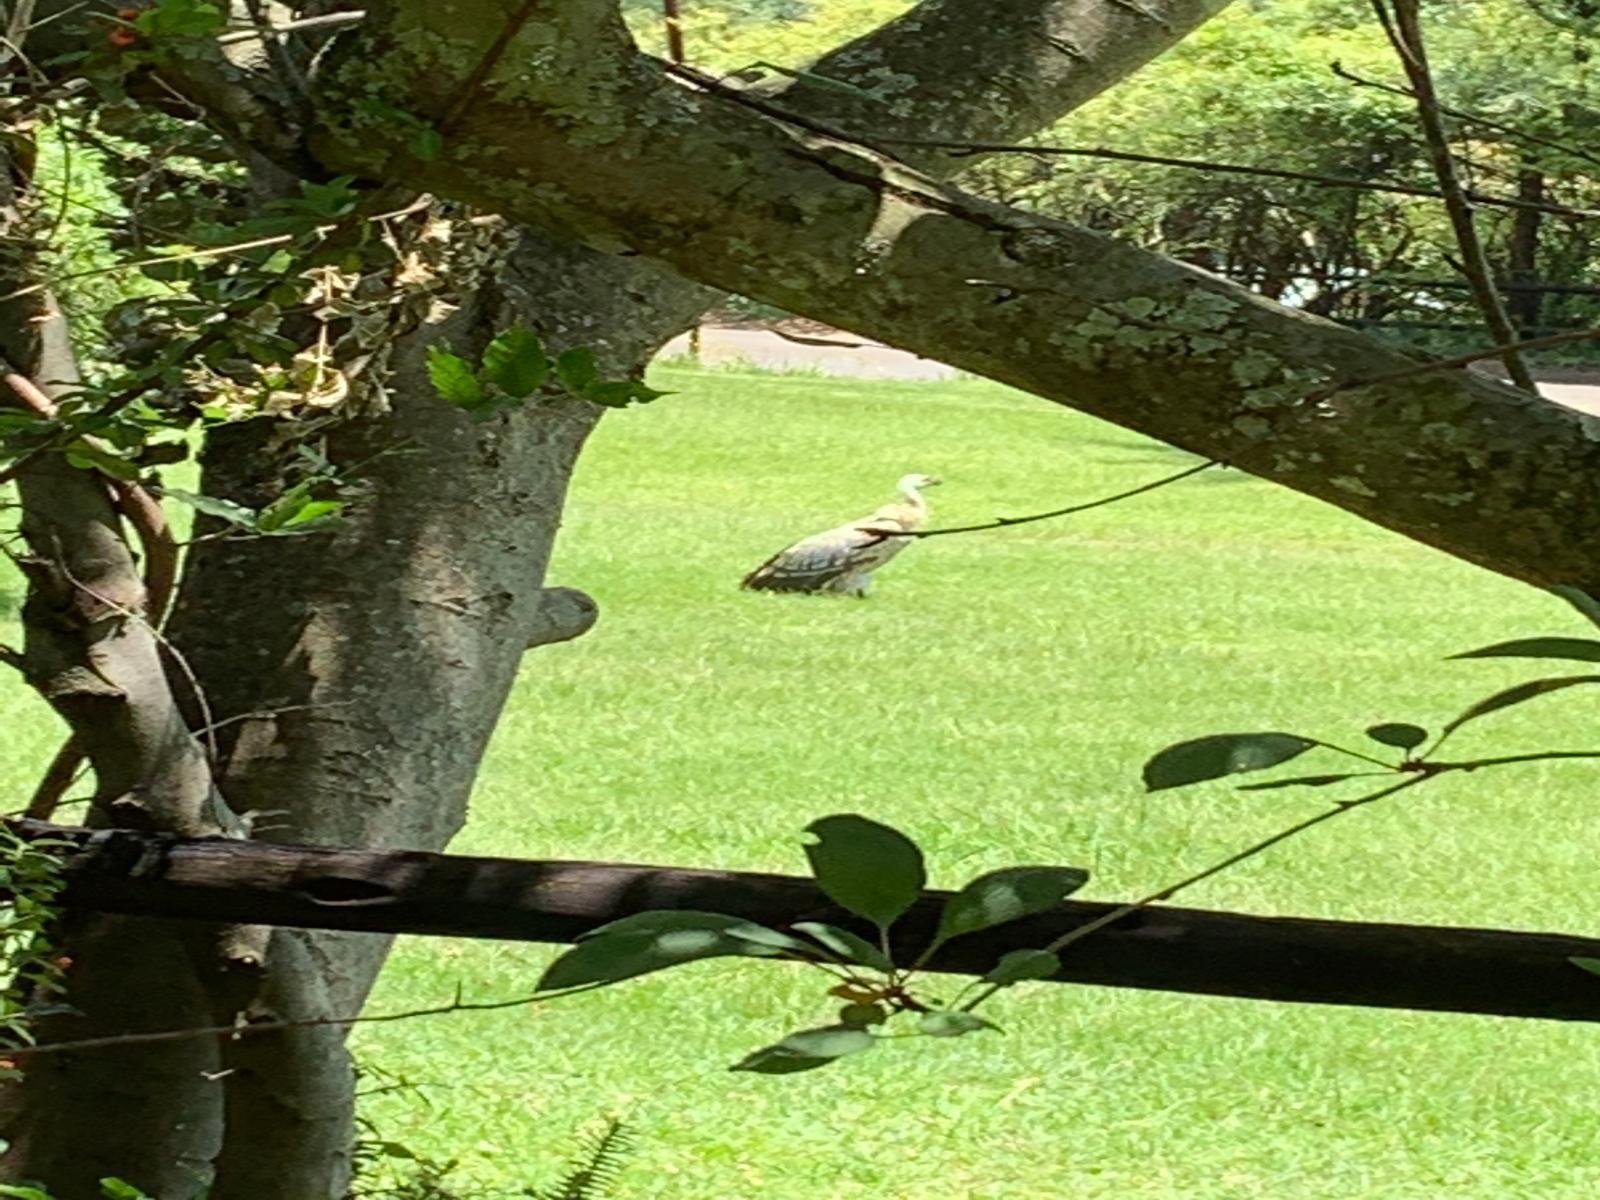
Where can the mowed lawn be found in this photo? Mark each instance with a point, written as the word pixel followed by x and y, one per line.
pixel 995 698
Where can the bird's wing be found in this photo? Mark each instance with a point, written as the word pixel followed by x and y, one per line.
pixel 824 557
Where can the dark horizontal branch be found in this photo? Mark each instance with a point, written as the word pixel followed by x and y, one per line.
pixel 1172 949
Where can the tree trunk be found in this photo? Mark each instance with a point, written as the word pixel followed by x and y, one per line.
pixel 375 660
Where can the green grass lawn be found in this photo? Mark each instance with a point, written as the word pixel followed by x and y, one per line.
pixel 995 697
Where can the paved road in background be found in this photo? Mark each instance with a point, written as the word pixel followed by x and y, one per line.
pixel 869 360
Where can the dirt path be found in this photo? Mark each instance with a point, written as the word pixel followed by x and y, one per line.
pixel 851 355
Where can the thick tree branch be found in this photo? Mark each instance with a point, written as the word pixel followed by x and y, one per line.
pixel 735 198
pixel 1176 949
pixel 941 71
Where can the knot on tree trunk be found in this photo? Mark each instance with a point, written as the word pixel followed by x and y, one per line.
pixel 564 613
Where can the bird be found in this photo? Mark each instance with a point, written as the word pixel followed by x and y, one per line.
pixel 841 560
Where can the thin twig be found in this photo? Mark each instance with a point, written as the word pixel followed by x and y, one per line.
pixel 1461 360
pixel 1003 522
pixel 960 149
pixel 1405 35
pixel 162 640
pixel 254 1028
pixel 474 82
pixel 1123 910
pixel 1461 114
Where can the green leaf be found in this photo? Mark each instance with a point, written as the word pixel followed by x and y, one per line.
pixel 847 945
pixel 576 369
pixel 515 362
pixel 659 920
pixel 427 143
pixel 1580 600
pixel 1297 781
pixel 120 1189
pixel 618 956
pixel 859 1016
pixel 1220 754
pixel 807 1050
pixel 1394 733
pixel 1006 895
pixel 22 1192
pixel 313 510
pixel 669 919
pixel 954 1024
pixel 1019 965
pixel 1577 649
pixel 179 19
pixel 1517 695
pixel 88 457
pixel 1591 965
pixel 226 510
pixel 453 378
pixel 870 869
pixel 621 393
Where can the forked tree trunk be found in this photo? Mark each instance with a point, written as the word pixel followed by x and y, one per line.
pixel 386 650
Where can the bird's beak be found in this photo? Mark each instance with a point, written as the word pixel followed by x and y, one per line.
pixel 933 481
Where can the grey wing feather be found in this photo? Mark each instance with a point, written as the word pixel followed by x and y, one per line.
pixel 814 562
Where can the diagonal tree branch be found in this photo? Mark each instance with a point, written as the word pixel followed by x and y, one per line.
pixel 832 230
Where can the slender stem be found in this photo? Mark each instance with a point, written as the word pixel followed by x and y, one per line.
pixel 1377 762
pixel 179 1035
pixel 1348 182
pixel 1003 522
pixel 1405 34
pixel 1166 893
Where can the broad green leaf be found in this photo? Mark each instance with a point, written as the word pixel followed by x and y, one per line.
pixel 515 362
pixel 668 919
pixel 227 510
pixel 1577 649
pixel 621 393
pixel 847 945
pixel 576 369
pixel 954 1024
pixel 1020 965
pixel 1220 754
pixel 807 1050
pixel 453 378
pixel 87 457
pixel 1005 895
pixel 1517 695
pixel 1591 965
pixel 658 920
pixel 120 1189
pixel 1580 600
pixel 427 143
pixel 1297 781
pixel 1399 734
pixel 619 956
pixel 870 869
pixel 21 1192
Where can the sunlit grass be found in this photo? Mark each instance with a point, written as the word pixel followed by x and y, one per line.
pixel 995 698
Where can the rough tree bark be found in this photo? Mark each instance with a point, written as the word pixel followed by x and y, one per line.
pixel 393 645
pixel 607 145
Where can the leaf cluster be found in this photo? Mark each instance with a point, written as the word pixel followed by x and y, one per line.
pixel 515 365
pixel 876 874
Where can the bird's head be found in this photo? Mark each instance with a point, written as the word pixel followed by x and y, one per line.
pixel 916 481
